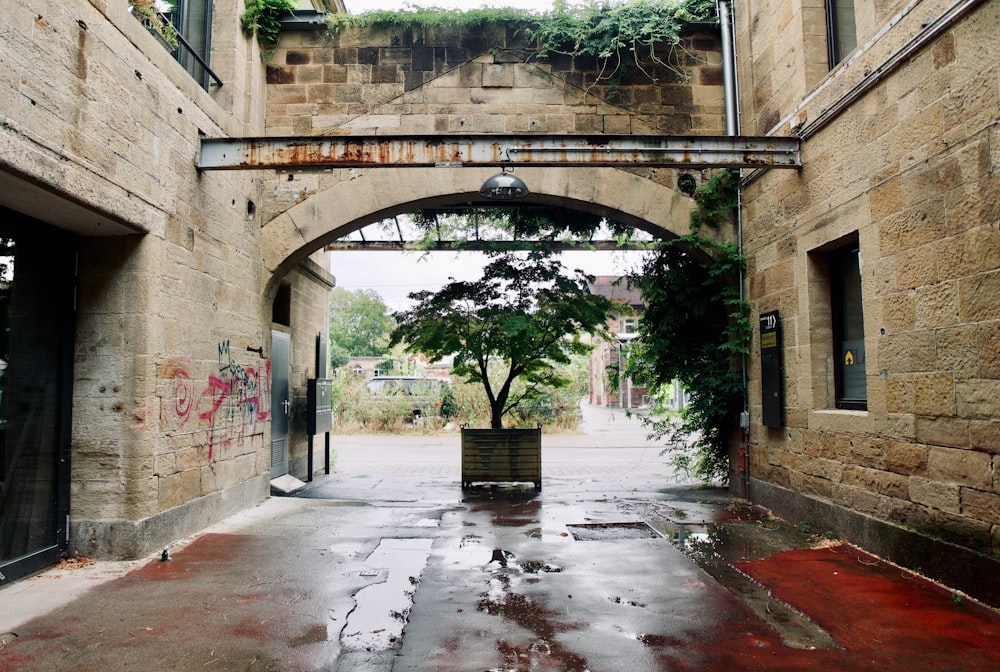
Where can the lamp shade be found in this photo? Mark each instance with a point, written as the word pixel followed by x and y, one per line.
pixel 503 187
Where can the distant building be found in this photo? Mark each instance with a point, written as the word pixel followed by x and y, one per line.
pixel 608 387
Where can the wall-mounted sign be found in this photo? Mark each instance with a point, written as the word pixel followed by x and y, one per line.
pixel 771 389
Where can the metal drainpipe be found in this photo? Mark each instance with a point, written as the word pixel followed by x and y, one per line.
pixel 725 11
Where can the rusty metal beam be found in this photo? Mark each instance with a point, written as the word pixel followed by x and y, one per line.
pixel 356 151
pixel 486 246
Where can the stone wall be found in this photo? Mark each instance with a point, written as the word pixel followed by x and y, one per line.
pixel 909 168
pixel 448 80
pixel 100 127
pixel 455 80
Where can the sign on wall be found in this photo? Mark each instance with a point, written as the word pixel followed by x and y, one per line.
pixel 772 399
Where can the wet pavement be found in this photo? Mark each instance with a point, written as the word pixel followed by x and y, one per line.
pixel 388 564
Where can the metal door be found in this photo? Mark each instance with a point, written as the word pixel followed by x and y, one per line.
pixel 279 403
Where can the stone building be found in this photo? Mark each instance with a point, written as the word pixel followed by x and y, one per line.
pixel 608 387
pixel 881 257
pixel 141 375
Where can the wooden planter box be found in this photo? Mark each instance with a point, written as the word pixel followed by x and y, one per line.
pixel 501 455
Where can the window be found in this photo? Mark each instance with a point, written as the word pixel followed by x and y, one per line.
pixel 629 325
pixel 193 20
pixel 848 328
pixel 841 30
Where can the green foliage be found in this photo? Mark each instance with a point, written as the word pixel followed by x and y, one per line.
pixel 695 329
pixel 428 17
pixel 151 16
pixel 717 200
pixel 527 224
pixel 360 325
pixel 462 403
pixel 620 35
pixel 524 314
pixel 262 18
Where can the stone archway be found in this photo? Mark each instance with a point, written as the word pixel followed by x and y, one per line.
pixel 346 200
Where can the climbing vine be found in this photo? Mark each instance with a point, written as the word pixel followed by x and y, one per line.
pixel 263 19
pixel 621 35
pixel 695 329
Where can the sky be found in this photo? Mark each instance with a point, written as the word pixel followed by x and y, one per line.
pixel 394 275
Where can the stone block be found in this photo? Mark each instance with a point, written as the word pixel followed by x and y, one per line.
pixel 915 267
pixel 811 485
pixel 899 312
pixel 830 470
pixel 906 458
pixel 617 123
pixel 498 75
pixel 859 499
pixel 933 394
pixel 940 431
pixel 878 481
pixel 985 436
pixel 912 227
pixel 983 506
pixel 980 297
pixel 957 351
pixel 907 351
pixel 979 399
pixel 976 250
pixel 934 494
pixel 970 468
pixel 885 199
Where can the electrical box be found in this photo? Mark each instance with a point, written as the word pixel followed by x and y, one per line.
pixel 771 380
pixel 319 396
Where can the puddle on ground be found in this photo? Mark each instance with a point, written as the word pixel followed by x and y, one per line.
pixel 382 609
pixel 501 599
pixel 715 548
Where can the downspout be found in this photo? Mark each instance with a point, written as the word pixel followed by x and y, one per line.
pixel 729 67
pixel 730 90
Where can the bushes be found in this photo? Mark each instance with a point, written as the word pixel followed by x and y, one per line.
pixel 355 409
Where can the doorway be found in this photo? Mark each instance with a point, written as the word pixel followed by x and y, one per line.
pixel 280 351
pixel 37 289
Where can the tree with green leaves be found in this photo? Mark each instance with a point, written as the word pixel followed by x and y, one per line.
pixel 695 329
pixel 360 325
pixel 524 313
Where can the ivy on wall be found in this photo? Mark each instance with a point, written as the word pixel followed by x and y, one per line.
pixel 620 35
pixel 696 329
pixel 262 18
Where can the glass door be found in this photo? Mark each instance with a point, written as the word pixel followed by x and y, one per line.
pixel 37 285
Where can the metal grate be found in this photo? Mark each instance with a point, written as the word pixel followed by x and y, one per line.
pixel 612 531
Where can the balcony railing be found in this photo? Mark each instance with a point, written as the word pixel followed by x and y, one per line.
pixel 165 28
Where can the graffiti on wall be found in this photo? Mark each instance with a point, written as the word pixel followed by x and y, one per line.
pixel 231 405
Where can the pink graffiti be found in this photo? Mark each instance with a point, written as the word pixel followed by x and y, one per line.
pixel 233 404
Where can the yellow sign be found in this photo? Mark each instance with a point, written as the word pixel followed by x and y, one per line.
pixel 769 339
pixel 849 358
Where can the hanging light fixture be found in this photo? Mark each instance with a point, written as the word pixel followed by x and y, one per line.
pixel 504 186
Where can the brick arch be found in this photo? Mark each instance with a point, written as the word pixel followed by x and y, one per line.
pixel 366 196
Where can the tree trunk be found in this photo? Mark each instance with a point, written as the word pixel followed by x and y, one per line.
pixel 496 415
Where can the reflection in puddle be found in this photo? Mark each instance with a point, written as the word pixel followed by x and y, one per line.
pixel 376 623
pixel 530 613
